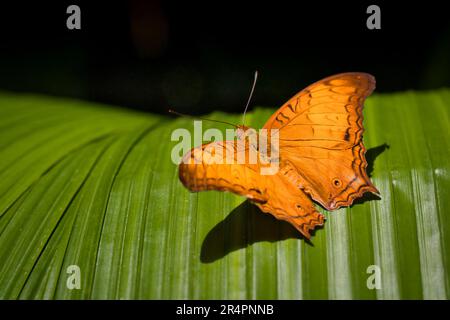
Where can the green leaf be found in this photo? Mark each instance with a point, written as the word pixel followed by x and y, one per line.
pixel 94 186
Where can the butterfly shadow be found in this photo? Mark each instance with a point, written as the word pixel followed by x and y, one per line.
pixel 371 155
pixel 244 226
pixel 247 224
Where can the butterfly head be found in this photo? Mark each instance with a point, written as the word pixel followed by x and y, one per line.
pixel 242 131
pixel 247 134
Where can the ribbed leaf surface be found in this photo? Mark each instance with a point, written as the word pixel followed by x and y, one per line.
pixel 94 186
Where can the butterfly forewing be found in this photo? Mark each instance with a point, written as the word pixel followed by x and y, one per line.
pixel 320 132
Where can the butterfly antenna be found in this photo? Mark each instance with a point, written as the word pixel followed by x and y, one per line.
pixel 250 97
pixel 189 116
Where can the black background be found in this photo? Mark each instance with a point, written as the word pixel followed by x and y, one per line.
pixel 284 309
pixel 197 57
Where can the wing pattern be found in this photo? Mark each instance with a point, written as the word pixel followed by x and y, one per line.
pixel 321 130
pixel 273 194
pixel 321 155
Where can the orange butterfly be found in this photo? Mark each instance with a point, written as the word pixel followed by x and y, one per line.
pixel 320 154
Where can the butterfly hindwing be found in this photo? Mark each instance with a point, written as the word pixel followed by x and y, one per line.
pixel 274 194
pixel 216 166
